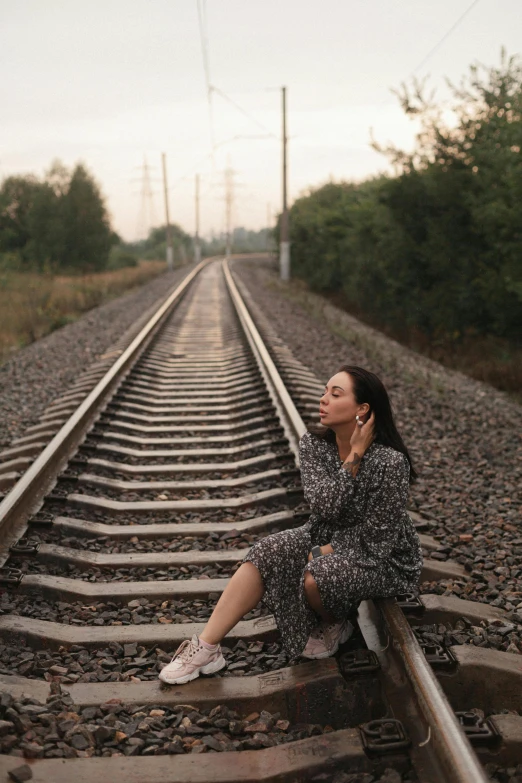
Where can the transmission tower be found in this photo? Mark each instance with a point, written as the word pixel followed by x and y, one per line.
pixel 147 214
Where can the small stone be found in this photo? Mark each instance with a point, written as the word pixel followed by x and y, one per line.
pixel 237 665
pixel 79 742
pixel 263 739
pixel 391 776
pixel 251 744
pixel 32 750
pixel 58 670
pixel 212 742
pixel 6 726
pixel 104 733
pixel 230 534
pixel 6 700
pixel 113 705
pixel 176 746
pixel 192 730
pixel 136 741
pixel 32 709
pixel 21 774
pixel 255 727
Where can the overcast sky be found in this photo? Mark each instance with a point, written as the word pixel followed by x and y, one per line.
pixel 114 82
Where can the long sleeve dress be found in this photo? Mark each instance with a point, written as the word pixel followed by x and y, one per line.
pixel 376 547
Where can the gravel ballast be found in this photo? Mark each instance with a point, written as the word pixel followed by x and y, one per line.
pixel 135 612
pixel 213 571
pixel 56 731
pixel 214 541
pixel 25 390
pixel 130 662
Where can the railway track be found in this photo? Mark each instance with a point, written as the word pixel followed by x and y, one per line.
pixel 118 540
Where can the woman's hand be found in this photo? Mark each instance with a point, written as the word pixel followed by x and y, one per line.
pixel 363 436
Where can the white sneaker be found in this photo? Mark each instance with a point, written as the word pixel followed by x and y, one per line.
pixel 190 660
pixel 324 640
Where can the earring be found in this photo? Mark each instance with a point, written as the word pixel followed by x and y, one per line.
pixel 358 420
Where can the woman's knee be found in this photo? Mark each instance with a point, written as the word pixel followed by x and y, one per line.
pixel 310 585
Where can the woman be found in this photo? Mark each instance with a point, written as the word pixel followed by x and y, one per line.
pixel 358 543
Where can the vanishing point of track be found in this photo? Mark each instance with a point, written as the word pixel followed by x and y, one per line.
pixel 122 533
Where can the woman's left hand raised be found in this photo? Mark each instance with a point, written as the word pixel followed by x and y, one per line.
pixel 363 436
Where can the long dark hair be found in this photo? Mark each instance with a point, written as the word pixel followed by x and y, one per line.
pixel 367 387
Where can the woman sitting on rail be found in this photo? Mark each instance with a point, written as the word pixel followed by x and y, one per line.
pixel 358 543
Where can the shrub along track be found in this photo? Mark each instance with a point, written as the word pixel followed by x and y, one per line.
pixel 118 541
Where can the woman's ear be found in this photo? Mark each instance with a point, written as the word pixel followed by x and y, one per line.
pixel 363 409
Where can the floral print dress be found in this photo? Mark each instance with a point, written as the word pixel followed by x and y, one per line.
pixel 376 547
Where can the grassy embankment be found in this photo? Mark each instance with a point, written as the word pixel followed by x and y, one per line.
pixel 32 305
pixel 488 359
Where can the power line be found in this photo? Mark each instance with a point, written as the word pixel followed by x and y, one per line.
pixel 444 37
pixel 242 137
pixel 243 111
pixel 202 17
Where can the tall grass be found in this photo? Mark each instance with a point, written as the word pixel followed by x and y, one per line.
pixel 32 305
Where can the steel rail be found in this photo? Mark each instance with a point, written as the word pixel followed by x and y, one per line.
pixel 27 494
pixel 445 739
pixel 451 746
pixel 291 421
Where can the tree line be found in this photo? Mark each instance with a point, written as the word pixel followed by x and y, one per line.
pixel 438 247
pixel 57 223
pixel 60 223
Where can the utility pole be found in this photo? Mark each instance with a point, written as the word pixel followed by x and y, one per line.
pixel 170 249
pixel 268 224
pixel 284 247
pixel 197 245
pixel 229 197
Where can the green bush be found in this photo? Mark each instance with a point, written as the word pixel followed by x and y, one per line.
pixel 119 258
pixel 436 249
pixel 56 224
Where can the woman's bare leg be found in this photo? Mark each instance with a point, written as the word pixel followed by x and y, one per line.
pixel 314 598
pixel 243 593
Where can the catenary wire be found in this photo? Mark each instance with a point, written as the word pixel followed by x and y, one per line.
pixel 444 37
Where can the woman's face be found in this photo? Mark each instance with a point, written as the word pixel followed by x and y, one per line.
pixel 338 405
